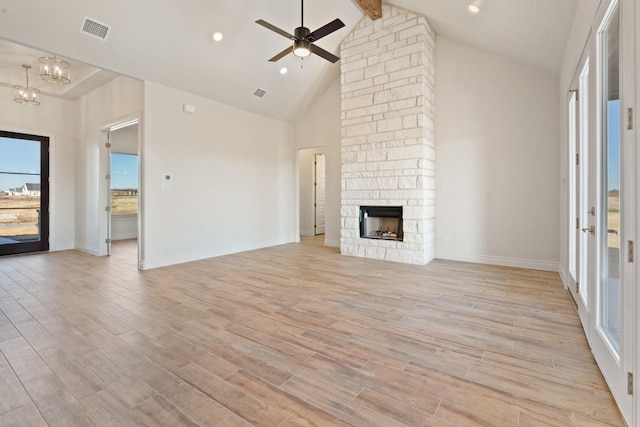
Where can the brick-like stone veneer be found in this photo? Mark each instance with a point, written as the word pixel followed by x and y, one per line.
pixel 388 142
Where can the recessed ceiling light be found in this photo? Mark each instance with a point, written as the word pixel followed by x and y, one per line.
pixel 283 70
pixel 217 36
pixel 473 8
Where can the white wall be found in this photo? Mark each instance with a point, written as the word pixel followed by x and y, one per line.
pixel 115 100
pixel 233 179
pixel 55 118
pixel 319 126
pixel 497 180
pixel 306 175
pixel 125 140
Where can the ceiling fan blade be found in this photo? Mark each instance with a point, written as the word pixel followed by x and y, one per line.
pixel 323 53
pixel 282 54
pixel 325 30
pixel 275 29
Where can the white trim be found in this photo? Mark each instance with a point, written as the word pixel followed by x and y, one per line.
pixel 563 275
pixel 332 243
pixel 53 230
pixel 307 233
pixel 196 256
pixel 85 248
pixel 495 260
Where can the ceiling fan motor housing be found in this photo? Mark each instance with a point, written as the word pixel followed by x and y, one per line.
pixel 301 33
pixel 301 46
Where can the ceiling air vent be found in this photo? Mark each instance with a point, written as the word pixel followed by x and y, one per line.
pixel 259 93
pixel 93 28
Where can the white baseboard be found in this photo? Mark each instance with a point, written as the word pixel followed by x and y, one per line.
pixel 123 236
pixel 495 260
pixel 85 248
pixel 147 264
pixel 563 276
pixel 307 233
pixel 332 243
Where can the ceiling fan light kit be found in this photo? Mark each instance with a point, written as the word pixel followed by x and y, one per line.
pixel 301 48
pixel 303 40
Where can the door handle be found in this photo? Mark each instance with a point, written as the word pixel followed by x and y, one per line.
pixel 591 230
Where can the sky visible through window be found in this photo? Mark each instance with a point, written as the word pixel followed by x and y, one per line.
pixel 124 171
pixel 613 145
pixel 18 156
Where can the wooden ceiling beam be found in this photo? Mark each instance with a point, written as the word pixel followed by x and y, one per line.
pixel 373 8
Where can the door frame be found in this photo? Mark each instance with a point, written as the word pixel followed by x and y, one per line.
pixel 104 187
pixel 613 367
pixel 46 170
pixel 304 191
pixel 315 192
pixel 579 163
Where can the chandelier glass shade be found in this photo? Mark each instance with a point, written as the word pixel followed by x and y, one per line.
pixel 54 70
pixel 25 94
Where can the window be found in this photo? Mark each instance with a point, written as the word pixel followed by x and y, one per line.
pixel 124 184
pixel 24 193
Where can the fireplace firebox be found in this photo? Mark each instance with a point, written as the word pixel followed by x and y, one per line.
pixel 381 222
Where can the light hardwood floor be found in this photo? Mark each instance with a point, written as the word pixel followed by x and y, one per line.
pixel 290 335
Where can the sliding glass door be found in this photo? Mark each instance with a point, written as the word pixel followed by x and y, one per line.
pixel 24 193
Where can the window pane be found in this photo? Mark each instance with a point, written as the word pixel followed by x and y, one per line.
pixel 124 184
pixel 609 283
pixel 19 155
pixel 23 199
pixel 19 208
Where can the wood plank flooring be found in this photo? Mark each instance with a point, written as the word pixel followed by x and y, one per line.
pixel 294 335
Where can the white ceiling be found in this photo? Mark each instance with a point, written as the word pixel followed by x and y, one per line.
pixel 169 42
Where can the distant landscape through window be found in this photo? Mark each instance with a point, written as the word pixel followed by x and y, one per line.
pixel 124 184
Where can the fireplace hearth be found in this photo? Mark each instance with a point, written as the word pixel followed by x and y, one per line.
pixel 381 222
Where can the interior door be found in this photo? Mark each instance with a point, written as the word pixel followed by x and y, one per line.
pixel 319 193
pixel 579 212
pixel 24 193
pixel 585 194
pixel 612 335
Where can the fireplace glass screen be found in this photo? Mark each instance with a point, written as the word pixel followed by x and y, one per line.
pixel 381 222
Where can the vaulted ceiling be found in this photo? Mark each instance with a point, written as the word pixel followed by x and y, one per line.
pixel 170 42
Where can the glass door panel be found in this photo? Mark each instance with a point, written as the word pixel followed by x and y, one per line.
pixel 613 337
pixel 609 307
pixel 24 193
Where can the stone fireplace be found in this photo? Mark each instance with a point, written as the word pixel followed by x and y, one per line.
pixel 388 144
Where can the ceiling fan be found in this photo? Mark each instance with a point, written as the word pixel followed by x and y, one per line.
pixel 303 39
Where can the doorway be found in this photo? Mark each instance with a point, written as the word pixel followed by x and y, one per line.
pixel 319 193
pixel 312 191
pixel 123 189
pixel 24 193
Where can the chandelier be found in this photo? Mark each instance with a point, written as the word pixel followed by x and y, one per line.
pixel 54 70
pixel 25 94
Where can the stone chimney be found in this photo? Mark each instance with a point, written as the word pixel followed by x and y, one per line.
pixel 388 142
